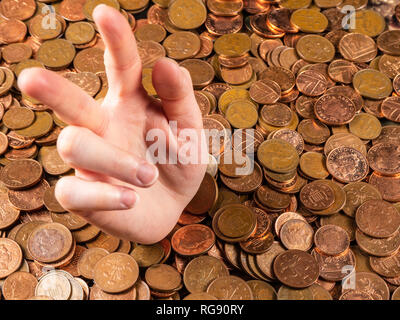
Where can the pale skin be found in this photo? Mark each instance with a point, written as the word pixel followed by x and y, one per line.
pixel 114 187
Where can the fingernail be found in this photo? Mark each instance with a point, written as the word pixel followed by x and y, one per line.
pixel 128 198
pixel 147 174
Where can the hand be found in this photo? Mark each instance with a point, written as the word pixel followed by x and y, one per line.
pixel 106 143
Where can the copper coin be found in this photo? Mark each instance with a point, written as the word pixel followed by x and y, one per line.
pixel 391 108
pixel 348 92
pixel 277 114
pixel 105 241
pixel 19 286
pixel 279 20
pixel 68 219
pixel 230 288
pixel 97 294
pixel 30 199
pixel 88 260
pixel 347 164
pixel 258 245
pixel 378 247
pixel 271 198
pixel 193 240
pixel 21 174
pixel 342 71
pixel 356 194
pixel 384 158
pixel 200 71
pixel 351 43
pixel 51 202
pixel 311 83
pixel 188 218
pixel 378 218
pixel 201 271
pixel 389 187
pixel 116 272
pixel 234 164
pixel 295 268
pixel 386 266
pixel 245 184
pixel 50 242
pixel 373 285
pixel 205 197
pixel 265 91
pixel 331 267
pixel 297 234
pixel 283 77
pixel 291 136
pixel 8 214
pixel 334 109
pixel 331 240
pixel 317 196
pixel 10 257
pixel 355 295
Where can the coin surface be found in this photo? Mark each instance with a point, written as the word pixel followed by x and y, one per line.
pixel 21 174
pixel 304 269
pixel 331 240
pixel 384 215
pixel 124 268
pixel 193 240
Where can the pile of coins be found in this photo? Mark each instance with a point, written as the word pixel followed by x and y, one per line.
pixel 314 213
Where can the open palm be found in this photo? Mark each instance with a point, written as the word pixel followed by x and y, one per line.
pixel 115 188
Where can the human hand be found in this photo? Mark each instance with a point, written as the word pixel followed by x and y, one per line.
pixel 115 188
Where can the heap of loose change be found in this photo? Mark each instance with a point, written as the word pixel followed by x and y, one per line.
pixel 321 205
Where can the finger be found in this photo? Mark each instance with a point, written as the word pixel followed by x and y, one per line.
pixel 82 149
pixel 124 68
pixel 75 194
pixel 174 87
pixel 71 104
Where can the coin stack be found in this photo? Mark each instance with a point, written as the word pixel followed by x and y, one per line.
pixel 303 203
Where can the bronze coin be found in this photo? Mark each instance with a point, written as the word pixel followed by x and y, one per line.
pixel 51 202
pixel 347 165
pixel 311 83
pixel 391 109
pixel 201 72
pixel 296 269
pixel 389 187
pixel 297 234
pixel 70 220
pixel 205 197
pixel 342 71
pixel 350 44
pixel 384 158
pixel 21 174
pixel 373 285
pixel 378 247
pixel 18 118
pixel 201 271
pixel 230 288
pixel 8 214
pixel 331 240
pixel 30 199
pixel 105 241
pixel 378 219
pixel 386 266
pixel 193 240
pixel 331 267
pixel 50 242
pixel 356 194
pixel 317 196
pixel 271 198
pixel 258 245
pixel 10 257
pixel 116 272
pixel 283 77
pixel 334 110
pixel 88 260
pixel 265 91
pixel 277 114
pixel 245 184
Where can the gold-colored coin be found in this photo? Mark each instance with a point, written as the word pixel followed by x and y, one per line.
pixel 182 45
pixel 230 96
pixel 18 118
pixel 315 49
pixel 295 4
pixel 40 127
pixel 242 114
pixel 90 5
pixel 150 32
pixel 327 3
pixel 365 126
pixel 313 164
pixel 278 156
pixel 133 5
pixel 187 14
pixel 80 33
pixel 233 45
pixel 309 20
pixel 372 84
pixel 147 82
pixel 369 22
pixel 56 54
pixel 26 64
